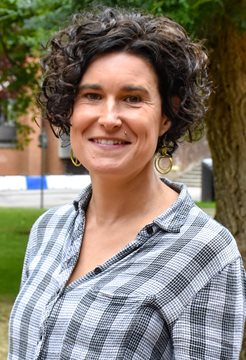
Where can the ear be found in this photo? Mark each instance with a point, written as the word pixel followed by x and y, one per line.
pixel 164 125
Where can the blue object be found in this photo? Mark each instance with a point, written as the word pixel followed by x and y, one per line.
pixel 36 182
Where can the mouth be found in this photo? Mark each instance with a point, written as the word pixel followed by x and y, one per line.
pixel 102 141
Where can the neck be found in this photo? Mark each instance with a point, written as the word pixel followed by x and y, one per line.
pixel 116 199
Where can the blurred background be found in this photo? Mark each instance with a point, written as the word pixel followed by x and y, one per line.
pixel 35 167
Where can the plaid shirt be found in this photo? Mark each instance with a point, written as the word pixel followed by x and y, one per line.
pixel 176 292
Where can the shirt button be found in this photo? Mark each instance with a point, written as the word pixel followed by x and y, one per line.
pixel 40 339
pixel 97 270
pixel 150 230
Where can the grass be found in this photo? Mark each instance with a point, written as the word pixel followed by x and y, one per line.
pixel 15 225
pixel 206 205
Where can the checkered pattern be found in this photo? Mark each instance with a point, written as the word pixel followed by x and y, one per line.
pixel 176 292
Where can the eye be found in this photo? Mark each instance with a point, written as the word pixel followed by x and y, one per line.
pixel 134 99
pixel 92 96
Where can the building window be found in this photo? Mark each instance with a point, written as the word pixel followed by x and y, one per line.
pixel 7 127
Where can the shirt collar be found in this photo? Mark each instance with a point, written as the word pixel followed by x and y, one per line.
pixel 175 216
pixel 171 220
pixel 82 201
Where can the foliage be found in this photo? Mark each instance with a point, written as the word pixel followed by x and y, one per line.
pixel 24 26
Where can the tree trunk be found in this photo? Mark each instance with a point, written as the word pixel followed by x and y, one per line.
pixel 226 127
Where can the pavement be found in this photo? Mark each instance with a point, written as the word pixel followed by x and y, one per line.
pixel 37 198
pixel 52 197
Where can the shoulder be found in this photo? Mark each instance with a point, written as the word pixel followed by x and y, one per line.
pixel 50 226
pixel 57 217
pixel 203 251
pixel 63 216
pixel 209 232
pixel 209 243
pixel 197 239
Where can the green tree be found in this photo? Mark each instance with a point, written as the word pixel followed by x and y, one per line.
pixel 24 26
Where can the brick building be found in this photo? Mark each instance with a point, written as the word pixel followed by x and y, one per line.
pixel 33 160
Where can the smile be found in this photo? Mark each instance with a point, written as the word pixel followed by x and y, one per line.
pixel 109 141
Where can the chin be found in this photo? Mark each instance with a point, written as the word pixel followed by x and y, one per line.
pixel 105 170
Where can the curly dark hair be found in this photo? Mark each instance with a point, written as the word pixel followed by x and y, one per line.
pixel 180 65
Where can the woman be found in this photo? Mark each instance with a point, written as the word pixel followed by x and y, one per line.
pixel 133 269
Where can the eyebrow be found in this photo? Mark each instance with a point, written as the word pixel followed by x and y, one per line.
pixel 130 88
pixel 90 86
pixel 134 88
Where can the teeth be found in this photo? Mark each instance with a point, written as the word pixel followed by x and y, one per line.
pixel 108 142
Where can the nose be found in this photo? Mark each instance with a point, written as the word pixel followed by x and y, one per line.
pixel 109 117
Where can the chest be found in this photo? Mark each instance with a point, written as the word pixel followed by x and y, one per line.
pixel 98 246
pixel 107 314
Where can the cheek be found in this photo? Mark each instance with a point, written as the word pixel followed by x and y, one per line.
pixel 84 116
pixel 78 121
pixel 150 139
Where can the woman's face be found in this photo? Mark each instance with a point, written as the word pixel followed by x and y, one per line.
pixel 117 116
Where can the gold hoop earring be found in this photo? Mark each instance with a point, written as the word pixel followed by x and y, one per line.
pixel 75 161
pixel 163 155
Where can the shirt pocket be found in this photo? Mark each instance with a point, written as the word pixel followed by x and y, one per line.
pixel 113 306
pixel 107 323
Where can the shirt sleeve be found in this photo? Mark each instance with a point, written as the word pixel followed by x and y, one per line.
pixel 31 239
pixel 211 326
pixel 33 245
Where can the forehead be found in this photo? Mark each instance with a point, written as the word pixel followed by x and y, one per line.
pixel 121 65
